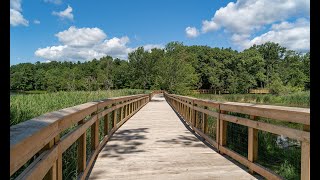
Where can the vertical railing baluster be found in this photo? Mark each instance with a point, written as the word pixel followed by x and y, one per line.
pixel 205 122
pixel 121 113
pixel 82 150
pixel 95 134
pixel 51 174
pixel 106 124
pixel 252 144
pixel 114 115
pixel 223 130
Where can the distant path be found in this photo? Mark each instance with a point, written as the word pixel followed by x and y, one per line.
pixel 154 144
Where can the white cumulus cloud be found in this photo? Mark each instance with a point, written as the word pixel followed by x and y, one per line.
pixel 16 17
pixel 81 36
pixel 191 32
pixel 86 44
pixel 294 36
pixel 66 14
pixel 245 16
pixel 247 22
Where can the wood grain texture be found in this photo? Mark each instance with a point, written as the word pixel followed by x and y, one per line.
pixel 154 144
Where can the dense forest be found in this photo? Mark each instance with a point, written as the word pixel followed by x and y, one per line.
pixel 176 68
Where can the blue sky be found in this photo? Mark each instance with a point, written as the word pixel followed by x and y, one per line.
pixel 47 30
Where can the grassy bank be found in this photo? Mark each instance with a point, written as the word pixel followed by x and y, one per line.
pixel 299 99
pixel 26 106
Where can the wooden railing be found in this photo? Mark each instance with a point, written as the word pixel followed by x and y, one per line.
pixel 189 108
pixel 259 91
pixel 209 91
pixel 39 138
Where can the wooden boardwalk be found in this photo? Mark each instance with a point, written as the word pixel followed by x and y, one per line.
pixel 155 144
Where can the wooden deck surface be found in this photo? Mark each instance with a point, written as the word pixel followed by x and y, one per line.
pixel 155 144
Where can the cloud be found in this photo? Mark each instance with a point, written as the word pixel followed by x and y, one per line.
pixel 246 16
pixel 53 1
pixel 191 32
pixel 115 47
pixel 86 44
pixel 36 21
pixel 66 14
pixel 251 22
pixel 294 36
pixel 47 61
pixel 82 37
pixel 148 47
pixel 15 4
pixel 16 18
pixel 209 26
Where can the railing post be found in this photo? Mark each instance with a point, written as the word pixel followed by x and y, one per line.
pixel 305 157
pixel 252 144
pixel 223 130
pixel 190 113
pixel 59 160
pixel 106 124
pixel 194 114
pixel 95 134
pixel 51 174
pixel 187 112
pixel 184 110
pixel 114 115
pixel 121 113
pixel 124 110
pixel 205 122
pixel 82 150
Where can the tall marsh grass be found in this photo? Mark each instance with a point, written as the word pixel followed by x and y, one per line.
pixel 298 99
pixel 27 106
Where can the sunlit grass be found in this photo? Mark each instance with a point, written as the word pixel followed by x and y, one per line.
pixel 298 99
pixel 27 106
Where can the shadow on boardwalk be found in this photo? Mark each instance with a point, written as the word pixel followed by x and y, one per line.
pixel 125 142
pixel 186 141
pixel 206 144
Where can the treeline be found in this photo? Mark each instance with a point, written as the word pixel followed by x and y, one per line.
pixel 176 68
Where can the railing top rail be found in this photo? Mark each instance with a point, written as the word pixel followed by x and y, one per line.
pixel 284 113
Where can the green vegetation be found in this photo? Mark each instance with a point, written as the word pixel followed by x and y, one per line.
pixel 24 107
pixel 177 68
pixel 297 99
